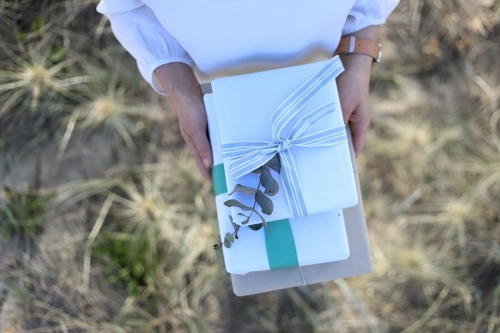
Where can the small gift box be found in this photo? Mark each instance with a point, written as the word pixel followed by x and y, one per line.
pixel 288 243
pixel 359 261
pixel 293 113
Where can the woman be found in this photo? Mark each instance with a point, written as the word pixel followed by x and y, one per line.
pixel 179 43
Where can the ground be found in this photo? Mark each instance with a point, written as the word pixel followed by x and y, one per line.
pixel 107 226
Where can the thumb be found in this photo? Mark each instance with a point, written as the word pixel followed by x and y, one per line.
pixel 359 123
pixel 202 144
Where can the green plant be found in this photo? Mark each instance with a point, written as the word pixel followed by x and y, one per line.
pixel 20 213
pixel 129 245
pixel 271 188
pixel 128 259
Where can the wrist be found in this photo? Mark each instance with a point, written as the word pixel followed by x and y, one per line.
pixel 357 62
pixel 362 42
pixel 358 45
pixel 178 80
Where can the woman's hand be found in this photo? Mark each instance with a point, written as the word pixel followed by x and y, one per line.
pixel 181 85
pixel 353 86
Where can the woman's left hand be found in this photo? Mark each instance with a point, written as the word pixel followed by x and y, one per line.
pixel 353 86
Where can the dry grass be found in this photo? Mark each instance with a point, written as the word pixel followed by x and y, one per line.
pixel 124 243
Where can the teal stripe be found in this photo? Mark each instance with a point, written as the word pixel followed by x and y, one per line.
pixel 219 179
pixel 280 245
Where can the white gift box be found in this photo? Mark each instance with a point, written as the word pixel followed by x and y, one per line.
pixel 359 261
pixel 243 109
pixel 318 238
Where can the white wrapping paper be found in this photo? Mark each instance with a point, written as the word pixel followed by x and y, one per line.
pixel 243 106
pixel 319 238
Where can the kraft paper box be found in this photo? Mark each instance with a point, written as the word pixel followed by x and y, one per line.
pixel 294 111
pixel 308 240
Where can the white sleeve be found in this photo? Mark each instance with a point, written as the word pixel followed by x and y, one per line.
pixel 365 13
pixel 142 35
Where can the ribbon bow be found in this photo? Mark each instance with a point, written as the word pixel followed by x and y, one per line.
pixel 250 155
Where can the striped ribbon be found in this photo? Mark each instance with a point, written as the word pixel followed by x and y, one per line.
pixel 249 155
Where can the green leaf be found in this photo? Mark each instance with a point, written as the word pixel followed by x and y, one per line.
pixel 236 203
pixel 227 244
pixel 275 163
pixel 243 189
pixel 137 270
pixel 236 236
pixel 124 272
pixel 229 237
pixel 258 170
pixel 235 226
pixel 245 221
pixel 264 202
pixel 132 286
pixel 217 246
pixel 270 184
pixel 263 221
pixel 255 227
pixel 56 54
pixel 37 23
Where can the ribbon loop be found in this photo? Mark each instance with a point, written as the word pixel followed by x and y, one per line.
pixel 250 155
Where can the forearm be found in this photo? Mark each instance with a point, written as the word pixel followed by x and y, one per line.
pixel 370 32
pixel 181 85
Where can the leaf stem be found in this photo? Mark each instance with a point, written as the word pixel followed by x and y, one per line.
pixel 254 203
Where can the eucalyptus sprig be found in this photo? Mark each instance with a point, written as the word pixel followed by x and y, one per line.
pixel 270 188
pixel 229 237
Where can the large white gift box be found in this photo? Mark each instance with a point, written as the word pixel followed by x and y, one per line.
pixel 309 240
pixel 296 113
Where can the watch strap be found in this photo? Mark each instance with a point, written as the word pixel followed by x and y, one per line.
pixel 353 44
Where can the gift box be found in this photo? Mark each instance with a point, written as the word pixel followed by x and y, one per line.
pixel 287 243
pixel 293 112
pixel 278 277
pixel 359 260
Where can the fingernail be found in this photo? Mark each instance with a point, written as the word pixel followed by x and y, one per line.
pixel 206 161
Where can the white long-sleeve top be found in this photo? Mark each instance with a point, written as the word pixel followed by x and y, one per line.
pixel 227 37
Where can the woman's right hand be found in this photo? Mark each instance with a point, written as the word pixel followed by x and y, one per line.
pixel 184 90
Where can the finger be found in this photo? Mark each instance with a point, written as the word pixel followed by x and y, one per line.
pixel 359 124
pixel 346 105
pixel 347 99
pixel 194 124
pixel 200 140
pixel 358 137
pixel 206 172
